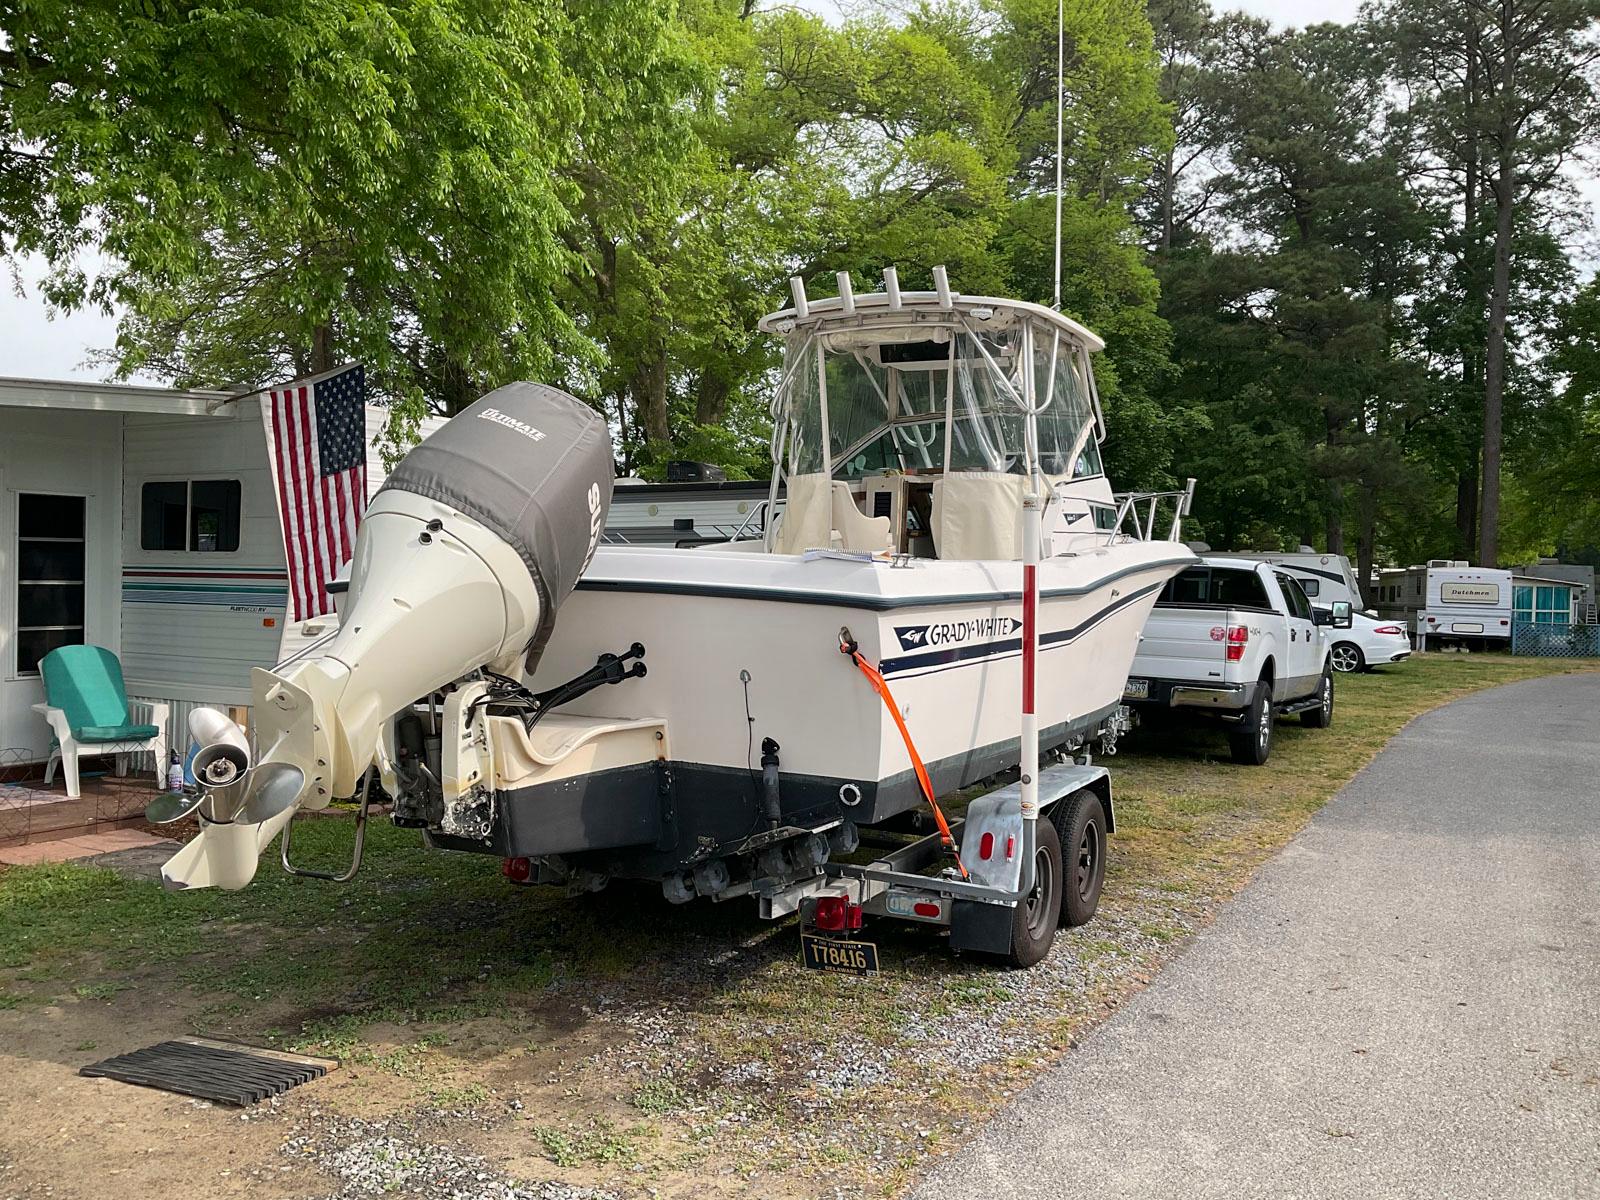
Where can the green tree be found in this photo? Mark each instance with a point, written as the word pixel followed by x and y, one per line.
pixel 280 187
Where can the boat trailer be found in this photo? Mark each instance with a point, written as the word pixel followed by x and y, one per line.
pixel 998 909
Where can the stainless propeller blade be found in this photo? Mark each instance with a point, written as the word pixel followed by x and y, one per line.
pixel 174 806
pixel 273 788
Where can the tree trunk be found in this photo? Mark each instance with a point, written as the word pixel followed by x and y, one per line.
pixel 1168 188
pixel 1494 366
pixel 321 349
pixel 620 397
pixel 711 398
pixel 1366 538
pixel 1467 507
pixel 457 387
pixel 649 389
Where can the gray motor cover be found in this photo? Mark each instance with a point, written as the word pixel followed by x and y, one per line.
pixel 533 465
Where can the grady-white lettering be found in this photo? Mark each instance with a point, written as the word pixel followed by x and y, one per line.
pixel 510 422
pixel 955 633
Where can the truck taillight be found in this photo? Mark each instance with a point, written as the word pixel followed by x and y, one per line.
pixel 1238 638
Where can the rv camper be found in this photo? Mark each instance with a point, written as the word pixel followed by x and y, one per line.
pixel 1449 603
pixel 146 521
pixel 1452 603
pixel 1325 578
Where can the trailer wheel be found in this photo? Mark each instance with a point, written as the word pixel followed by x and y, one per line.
pixel 1250 741
pixel 1033 928
pixel 1321 716
pixel 1081 823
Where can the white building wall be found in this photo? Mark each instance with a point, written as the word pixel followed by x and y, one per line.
pixel 62 452
pixel 188 626
pixel 194 622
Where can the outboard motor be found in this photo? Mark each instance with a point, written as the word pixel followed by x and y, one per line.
pixel 461 561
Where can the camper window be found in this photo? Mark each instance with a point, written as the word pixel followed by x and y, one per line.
pixel 50 574
pixel 200 515
pixel 1309 586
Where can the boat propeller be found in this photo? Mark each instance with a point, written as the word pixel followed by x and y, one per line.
pixel 226 787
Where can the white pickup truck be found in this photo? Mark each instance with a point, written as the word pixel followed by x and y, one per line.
pixel 1237 640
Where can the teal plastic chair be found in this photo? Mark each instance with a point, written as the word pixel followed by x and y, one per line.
pixel 86 703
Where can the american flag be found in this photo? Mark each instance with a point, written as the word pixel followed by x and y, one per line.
pixel 317 445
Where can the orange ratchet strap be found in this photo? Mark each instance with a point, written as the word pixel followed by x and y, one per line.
pixel 848 647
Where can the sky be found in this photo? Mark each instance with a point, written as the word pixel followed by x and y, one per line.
pixel 36 344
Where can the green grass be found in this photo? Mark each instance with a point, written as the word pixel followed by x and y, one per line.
pixel 429 962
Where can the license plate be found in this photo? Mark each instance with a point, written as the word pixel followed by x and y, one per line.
pixel 1137 689
pixel 835 954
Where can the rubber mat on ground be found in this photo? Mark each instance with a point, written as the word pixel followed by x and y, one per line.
pixel 238 1075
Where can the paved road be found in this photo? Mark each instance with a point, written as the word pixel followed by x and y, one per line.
pixel 1406 1002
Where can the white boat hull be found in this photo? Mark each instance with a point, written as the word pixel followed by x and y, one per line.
pixel 742 647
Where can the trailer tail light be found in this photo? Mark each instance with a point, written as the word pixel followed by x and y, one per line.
pixel 835 914
pixel 1238 639
pixel 1011 848
pixel 986 847
pixel 518 870
pixel 1503 621
pixel 1390 630
pixel 927 908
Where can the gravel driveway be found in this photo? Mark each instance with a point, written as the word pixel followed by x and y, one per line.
pixel 1406 1002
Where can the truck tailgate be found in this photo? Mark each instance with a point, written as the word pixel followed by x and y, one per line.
pixel 1179 644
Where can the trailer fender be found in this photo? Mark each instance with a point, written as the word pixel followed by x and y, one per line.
pixel 1094 779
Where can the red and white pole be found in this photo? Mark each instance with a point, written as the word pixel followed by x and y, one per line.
pixel 1032 507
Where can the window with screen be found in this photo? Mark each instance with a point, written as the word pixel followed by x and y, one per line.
pixel 199 514
pixel 50 575
pixel 1310 586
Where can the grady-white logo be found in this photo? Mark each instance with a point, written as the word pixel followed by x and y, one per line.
pixel 510 422
pixel 955 633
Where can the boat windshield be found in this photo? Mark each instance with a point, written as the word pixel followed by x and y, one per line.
pixel 926 398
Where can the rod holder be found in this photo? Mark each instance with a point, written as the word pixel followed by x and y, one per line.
pixel 847 295
pixel 797 288
pixel 941 284
pixel 891 287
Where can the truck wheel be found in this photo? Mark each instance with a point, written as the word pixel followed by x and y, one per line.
pixel 1081 823
pixel 1321 716
pixel 1033 928
pixel 1347 657
pixel 1251 740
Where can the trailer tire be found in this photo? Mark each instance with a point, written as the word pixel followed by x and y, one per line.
pixel 1033 925
pixel 1321 716
pixel 1250 741
pixel 1081 823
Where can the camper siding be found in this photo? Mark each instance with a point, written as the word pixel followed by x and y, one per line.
pixel 195 622
pixel 61 452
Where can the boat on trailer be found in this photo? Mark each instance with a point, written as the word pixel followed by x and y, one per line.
pixel 588 712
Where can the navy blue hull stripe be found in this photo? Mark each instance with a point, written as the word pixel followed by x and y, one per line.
pixel 857 599
pixel 927 662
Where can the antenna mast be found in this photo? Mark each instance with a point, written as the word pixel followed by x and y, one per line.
pixel 1061 87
